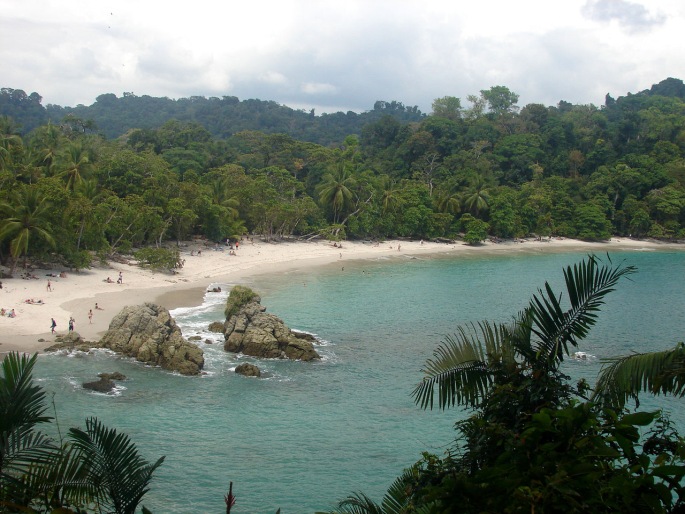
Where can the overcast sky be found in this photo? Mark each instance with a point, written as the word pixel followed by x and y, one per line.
pixel 341 55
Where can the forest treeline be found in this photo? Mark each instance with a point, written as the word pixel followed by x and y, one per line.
pixel 112 116
pixel 474 168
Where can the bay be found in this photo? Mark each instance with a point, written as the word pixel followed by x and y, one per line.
pixel 308 434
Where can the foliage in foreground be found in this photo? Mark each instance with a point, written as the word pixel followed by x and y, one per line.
pixel 95 470
pixel 535 442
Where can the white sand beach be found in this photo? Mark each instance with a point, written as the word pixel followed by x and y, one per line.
pixel 78 293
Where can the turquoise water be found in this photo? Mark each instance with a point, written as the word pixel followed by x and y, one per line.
pixel 308 434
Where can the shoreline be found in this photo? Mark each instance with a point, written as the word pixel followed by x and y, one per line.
pixel 78 293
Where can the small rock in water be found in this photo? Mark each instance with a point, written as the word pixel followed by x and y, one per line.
pixel 248 370
pixel 103 385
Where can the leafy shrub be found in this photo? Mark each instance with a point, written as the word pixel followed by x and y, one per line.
pixel 159 258
pixel 237 298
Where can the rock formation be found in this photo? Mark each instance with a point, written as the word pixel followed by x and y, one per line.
pixel 248 370
pixel 104 385
pixel 250 330
pixel 149 334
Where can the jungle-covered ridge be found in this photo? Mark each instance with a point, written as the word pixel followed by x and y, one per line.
pixel 141 171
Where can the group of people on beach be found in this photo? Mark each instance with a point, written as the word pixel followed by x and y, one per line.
pixel 53 324
pixel 9 314
pixel 120 280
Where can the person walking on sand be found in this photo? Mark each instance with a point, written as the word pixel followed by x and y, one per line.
pixel 71 324
pixel 49 286
pixel 90 316
pixel 53 324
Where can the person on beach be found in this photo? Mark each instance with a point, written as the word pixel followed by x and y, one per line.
pixel 49 286
pixel 90 316
pixel 71 324
pixel 12 314
pixel 53 324
pixel 98 308
pixel 120 280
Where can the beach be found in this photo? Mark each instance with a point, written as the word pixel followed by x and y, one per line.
pixel 77 294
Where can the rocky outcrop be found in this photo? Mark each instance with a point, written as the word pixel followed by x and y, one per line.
pixel 104 385
pixel 254 332
pixel 248 370
pixel 216 326
pixel 71 341
pixel 149 334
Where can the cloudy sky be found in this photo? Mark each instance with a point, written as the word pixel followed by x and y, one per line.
pixel 341 55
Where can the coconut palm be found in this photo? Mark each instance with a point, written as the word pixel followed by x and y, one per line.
pixel 469 365
pixel 10 141
pixel 75 164
pixel 477 198
pixel 509 372
pixel 119 475
pixel 397 500
pixel 25 217
pixel 623 378
pixel 47 143
pixel 336 190
pixel 97 468
pixel 390 197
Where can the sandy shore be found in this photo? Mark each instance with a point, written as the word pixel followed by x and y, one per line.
pixel 78 293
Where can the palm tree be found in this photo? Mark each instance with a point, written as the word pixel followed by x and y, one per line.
pixel 97 468
pixel 75 164
pixel 119 475
pixel 27 216
pixel 622 378
pixel 390 199
pixel 397 500
pixel 469 365
pixel 22 407
pixel 10 141
pixel 47 143
pixel 509 372
pixel 335 190
pixel 477 200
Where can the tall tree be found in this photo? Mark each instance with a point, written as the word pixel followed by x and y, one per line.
pixel 26 216
pixel 336 190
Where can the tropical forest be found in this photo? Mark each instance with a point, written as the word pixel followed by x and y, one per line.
pixel 129 173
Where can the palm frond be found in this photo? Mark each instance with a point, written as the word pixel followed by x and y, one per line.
pixel 461 368
pixel 21 402
pixel 587 283
pixel 115 466
pixel 623 378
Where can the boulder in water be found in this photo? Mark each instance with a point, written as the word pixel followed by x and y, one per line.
pixel 250 330
pixel 248 370
pixel 149 334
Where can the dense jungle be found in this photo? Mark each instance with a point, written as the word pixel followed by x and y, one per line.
pixel 133 172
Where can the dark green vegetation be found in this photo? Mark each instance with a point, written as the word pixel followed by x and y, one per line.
pixel 237 298
pixel 491 169
pixel 94 470
pixel 535 442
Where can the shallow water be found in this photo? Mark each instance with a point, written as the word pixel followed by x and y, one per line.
pixel 308 434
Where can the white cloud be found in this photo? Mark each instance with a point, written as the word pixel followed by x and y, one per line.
pixel 331 54
pixel 314 88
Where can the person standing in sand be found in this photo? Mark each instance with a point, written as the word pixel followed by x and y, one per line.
pixel 71 324
pixel 90 316
pixel 49 286
pixel 53 324
pixel 120 280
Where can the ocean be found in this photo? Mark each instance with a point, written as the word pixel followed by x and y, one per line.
pixel 306 435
